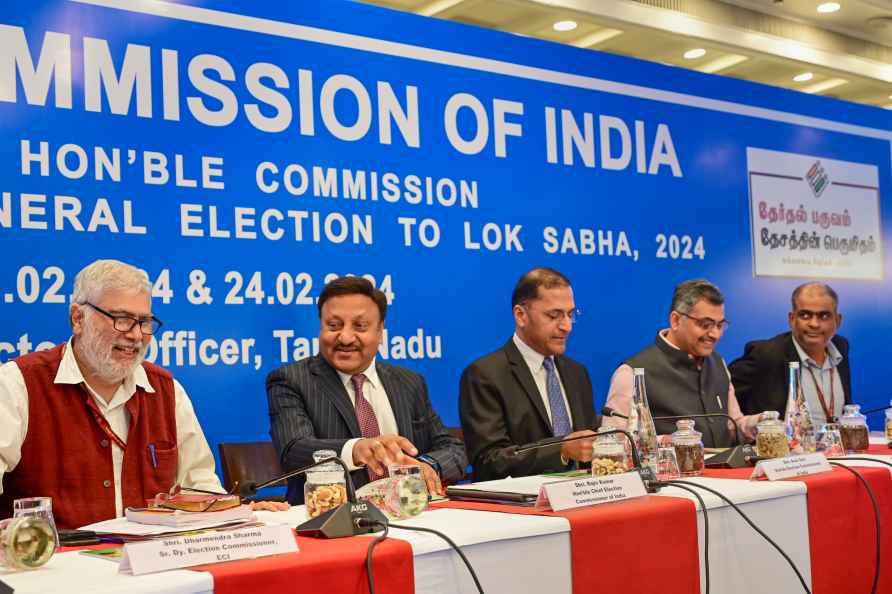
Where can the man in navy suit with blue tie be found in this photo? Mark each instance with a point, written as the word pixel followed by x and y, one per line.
pixel 370 413
pixel 528 390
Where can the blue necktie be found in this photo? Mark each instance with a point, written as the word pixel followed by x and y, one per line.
pixel 560 421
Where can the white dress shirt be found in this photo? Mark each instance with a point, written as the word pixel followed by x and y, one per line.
pixel 195 463
pixel 373 391
pixel 822 375
pixel 535 361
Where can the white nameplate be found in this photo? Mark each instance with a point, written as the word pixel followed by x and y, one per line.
pixel 592 490
pixel 206 547
pixel 792 466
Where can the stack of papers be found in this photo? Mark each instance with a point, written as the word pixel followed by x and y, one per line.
pixel 124 530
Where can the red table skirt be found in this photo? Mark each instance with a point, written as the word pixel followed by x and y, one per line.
pixel 841 528
pixel 322 565
pixel 628 546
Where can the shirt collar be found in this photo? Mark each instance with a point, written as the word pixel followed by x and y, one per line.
pixel 834 358
pixel 70 373
pixel 533 358
pixel 664 334
pixel 371 376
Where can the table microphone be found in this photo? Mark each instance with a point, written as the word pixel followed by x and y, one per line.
pixel 647 473
pixel 738 456
pixel 871 411
pixel 347 519
pixel 609 412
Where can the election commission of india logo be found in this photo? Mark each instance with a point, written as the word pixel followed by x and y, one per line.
pixel 817 179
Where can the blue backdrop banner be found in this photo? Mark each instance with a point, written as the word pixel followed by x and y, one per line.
pixel 245 153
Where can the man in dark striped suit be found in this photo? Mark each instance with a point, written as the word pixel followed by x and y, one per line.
pixel 370 413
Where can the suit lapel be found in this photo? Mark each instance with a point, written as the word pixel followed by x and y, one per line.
pixel 790 349
pixel 334 390
pixel 397 398
pixel 524 377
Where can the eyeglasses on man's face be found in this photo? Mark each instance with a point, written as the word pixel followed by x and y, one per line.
pixel 707 324
pixel 557 315
pixel 806 315
pixel 147 326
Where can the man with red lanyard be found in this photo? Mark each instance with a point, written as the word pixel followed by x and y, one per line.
pixel 88 422
pixel 760 375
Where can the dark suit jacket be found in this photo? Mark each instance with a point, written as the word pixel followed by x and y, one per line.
pixel 501 408
pixel 310 410
pixel 760 375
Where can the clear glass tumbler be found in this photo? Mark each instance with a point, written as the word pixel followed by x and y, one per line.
pixel 667 464
pixel 39 507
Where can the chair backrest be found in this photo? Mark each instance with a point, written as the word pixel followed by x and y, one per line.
pixel 255 461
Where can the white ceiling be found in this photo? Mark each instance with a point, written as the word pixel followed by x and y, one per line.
pixel 848 52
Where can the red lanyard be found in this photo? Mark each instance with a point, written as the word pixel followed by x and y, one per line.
pixel 828 413
pixel 101 420
pixel 99 417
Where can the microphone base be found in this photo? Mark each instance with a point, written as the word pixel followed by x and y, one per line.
pixel 649 478
pixel 736 457
pixel 343 521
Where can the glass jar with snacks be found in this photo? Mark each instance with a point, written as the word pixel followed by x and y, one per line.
pixel 853 428
pixel 771 439
pixel 326 486
pixel 688 444
pixel 608 453
pixel 26 542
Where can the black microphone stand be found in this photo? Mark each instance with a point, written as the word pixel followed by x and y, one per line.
pixel 648 476
pixel 871 411
pixel 347 519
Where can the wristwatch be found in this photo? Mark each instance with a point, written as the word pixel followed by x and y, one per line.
pixel 431 462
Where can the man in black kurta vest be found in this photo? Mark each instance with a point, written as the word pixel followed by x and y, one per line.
pixel 684 375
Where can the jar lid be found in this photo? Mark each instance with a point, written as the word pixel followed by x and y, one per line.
pixel 686 434
pixel 329 467
pixel 609 439
pixel 851 415
pixel 770 421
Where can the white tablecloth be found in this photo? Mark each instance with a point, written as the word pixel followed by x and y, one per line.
pixel 741 561
pixel 73 572
pixel 511 553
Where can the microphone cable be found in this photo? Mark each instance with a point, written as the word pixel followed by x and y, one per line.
pixel 862 458
pixel 371 549
pixel 748 521
pixel 705 528
pixel 448 540
pixel 876 513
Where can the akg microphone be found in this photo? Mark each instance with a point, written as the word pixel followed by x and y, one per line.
pixel 347 519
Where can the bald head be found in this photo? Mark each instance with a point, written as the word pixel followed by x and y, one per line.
pixel 814 289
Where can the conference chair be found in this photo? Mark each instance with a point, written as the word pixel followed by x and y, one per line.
pixel 255 461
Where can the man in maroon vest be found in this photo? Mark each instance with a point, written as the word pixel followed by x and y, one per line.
pixel 89 423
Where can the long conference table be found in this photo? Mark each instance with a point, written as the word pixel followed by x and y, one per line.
pixel 824 522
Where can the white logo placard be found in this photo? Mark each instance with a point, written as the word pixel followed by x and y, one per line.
pixel 206 547
pixel 572 493
pixel 792 466
pixel 814 217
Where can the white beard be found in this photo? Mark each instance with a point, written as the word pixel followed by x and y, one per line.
pixel 97 354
